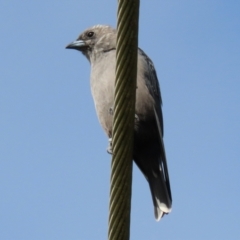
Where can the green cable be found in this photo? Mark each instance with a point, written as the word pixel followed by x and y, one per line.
pixel 123 120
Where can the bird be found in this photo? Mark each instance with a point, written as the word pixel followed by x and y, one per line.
pixel 98 45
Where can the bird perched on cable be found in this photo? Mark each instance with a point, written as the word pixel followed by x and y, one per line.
pixel 98 44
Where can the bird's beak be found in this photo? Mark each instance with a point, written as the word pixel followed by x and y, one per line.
pixel 78 45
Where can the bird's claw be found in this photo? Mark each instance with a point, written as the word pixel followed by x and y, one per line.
pixel 109 148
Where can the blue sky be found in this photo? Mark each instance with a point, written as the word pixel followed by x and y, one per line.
pixel 54 169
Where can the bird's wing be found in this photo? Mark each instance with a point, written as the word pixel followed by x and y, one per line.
pixel 154 89
pixel 153 85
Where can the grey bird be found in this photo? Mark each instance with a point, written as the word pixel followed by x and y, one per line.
pixel 98 44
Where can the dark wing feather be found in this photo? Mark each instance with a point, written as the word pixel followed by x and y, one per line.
pixel 154 89
pixel 153 86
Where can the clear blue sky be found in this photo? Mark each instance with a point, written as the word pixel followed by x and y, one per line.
pixel 54 169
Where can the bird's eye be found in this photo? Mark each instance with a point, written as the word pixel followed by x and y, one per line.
pixel 90 34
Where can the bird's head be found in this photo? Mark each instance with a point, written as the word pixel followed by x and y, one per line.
pixel 94 41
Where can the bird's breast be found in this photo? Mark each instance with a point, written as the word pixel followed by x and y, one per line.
pixel 102 88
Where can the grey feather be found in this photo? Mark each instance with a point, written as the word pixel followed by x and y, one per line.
pixel 98 44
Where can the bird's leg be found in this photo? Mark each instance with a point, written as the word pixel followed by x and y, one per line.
pixel 109 148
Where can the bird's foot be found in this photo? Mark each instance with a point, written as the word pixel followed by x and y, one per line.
pixel 109 148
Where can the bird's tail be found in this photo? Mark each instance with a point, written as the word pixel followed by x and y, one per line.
pixel 161 199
